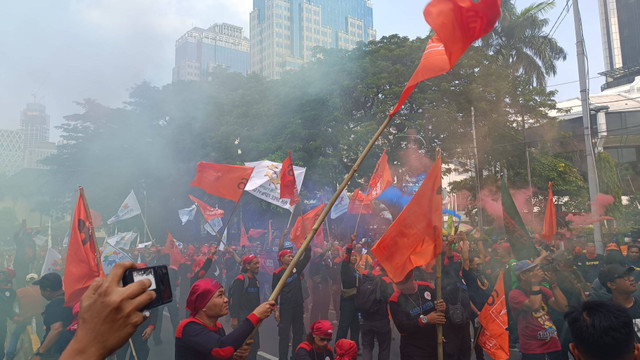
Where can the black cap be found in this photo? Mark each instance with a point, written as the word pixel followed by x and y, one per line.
pixel 612 272
pixel 51 281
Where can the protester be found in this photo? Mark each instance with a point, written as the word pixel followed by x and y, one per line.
pixel 290 312
pixel 454 293
pixel 602 330
pixel 590 263
pixel 30 306
pixel 7 298
pixel 621 284
pixel 201 336
pixel 108 308
pixel 598 291
pixel 346 350
pixel 374 291
pixel 349 320
pixel 529 303
pixel 633 259
pixel 478 287
pixel 415 312
pixel 320 288
pixel 316 346
pixel 245 296
pixel 56 316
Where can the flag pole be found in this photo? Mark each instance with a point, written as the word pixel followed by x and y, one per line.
pixel 439 280
pixel 144 221
pixel 323 215
pixel 91 229
pixel 284 233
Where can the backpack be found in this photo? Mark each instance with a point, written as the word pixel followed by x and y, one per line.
pixel 244 290
pixel 368 297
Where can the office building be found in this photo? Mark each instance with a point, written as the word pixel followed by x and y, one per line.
pixel 620 41
pixel 284 33
pixel 34 124
pixel 11 151
pixel 199 51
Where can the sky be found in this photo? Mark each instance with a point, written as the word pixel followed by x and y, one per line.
pixel 64 51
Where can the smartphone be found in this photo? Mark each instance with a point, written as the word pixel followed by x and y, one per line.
pixel 160 283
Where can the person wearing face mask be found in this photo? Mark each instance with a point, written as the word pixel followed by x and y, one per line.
pixel 316 345
pixel 416 312
pixel 478 287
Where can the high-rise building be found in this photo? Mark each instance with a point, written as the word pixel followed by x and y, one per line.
pixel 284 32
pixel 34 124
pixel 620 41
pixel 199 51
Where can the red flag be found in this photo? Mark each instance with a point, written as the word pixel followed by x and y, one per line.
pixel 457 24
pixel 244 240
pixel 225 181
pixel 288 186
pixel 81 266
pixel 357 201
pixel 175 255
pixel 254 233
pixel 415 237
pixel 494 337
pixel 299 231
pixel 96 218
pixel 549 228
pixel 381 178
pixel 208 212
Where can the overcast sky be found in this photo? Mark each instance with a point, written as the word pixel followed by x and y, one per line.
pixel 68 50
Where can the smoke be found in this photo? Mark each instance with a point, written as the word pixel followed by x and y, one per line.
pixel 490 200
pixel 602 201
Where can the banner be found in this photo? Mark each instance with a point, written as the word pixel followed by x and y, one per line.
pixel 225 181
pixel 111 256
pixel 265 182
pixel 494 337
pixel 121 240
pixel 128 209
pixel 341 205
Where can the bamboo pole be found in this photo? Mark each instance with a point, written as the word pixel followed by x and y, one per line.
pixel 144 221
pixel 323 215
pixel 133 350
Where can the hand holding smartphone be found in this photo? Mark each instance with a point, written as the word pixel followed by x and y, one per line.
pixel 160 283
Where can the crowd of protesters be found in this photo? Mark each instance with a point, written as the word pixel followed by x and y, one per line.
pixel 351 307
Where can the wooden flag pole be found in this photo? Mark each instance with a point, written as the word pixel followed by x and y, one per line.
pixel 224 227
pixel 323 215
pixel 133 350
pixel 91 229
pixel 439 280
pixel 144 221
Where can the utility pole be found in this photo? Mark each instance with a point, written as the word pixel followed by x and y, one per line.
pixel 586 121
pixel 477 169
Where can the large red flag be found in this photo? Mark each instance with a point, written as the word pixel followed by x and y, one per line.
pixel 288 186
pixel 415 237
pixel 549 228
pixel 208 212
pixel 359 203
pixel 457 24
pixel 254 233
pixel 225 181
pixel 300 230
pixel 381 178
pixel 494 337
pixel 172 249
pixel 81 266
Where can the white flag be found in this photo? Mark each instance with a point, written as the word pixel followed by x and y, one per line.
pixel 144 245
pixel 129 208
pixel 264 182
pixel 122 240
pixel 51 261
pixel 111 256
pixel 341 206
pixel 187 214
pixel 216 224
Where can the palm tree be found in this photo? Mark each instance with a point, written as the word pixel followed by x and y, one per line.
pixel 521 44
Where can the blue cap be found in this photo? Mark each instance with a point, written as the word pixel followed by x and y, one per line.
pixel 523 265
pixel 287 245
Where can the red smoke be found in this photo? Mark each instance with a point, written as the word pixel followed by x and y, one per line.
pixel 601 203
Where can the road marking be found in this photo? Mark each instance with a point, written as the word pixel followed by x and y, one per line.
pixel 267 356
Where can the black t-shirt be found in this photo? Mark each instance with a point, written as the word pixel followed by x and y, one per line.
pixel 590 268
pixel 634 312
pixel 479 289
pixel 55 312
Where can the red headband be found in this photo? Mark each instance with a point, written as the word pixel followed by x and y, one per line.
pixel 247 259
pixel 346 350
pixel 284 253
pixel 322 328
pixel 201 292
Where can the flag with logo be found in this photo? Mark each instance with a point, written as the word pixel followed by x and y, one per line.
pixel 225 181
pixel 415 237
pixel 494 337
pixel 341 205
pixel 111 256
pixel 52 262
pixel 265 182
pixel 381 177
pixel 128 209
pixel 121 240
pixel 81 266
pixel 457 24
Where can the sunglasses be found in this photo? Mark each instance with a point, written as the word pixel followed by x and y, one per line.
pixel 324 339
